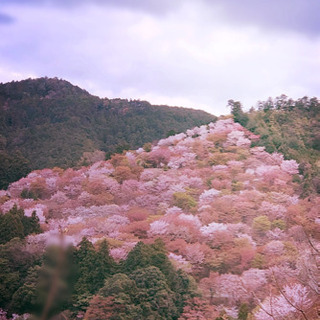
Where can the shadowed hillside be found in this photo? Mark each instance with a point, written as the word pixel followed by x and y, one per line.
pixel 49 122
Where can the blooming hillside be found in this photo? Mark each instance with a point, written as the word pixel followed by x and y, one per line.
pixel 229 215
pixel 38 117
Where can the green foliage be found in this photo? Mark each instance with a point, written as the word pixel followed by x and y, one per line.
pixel 146 285
pixel 261 224
pixel 279 223
pixel 86 279
pixel 119 284
pixel 31 224
pixel 144 256
pixel 184 201
pixel 42 114
pixel 171 133
pixel 155 297
pixel 243 312
pixel 237 112
pixel 64 278
pixel 9 281
pixel 45 290
pixel 14 264
pixel 28 194
pixel 258 261
pixel 30 297
pixel 10 227
pixel 123 291
pixel 147 147
pixel 150 287
pixel 14 224
pixel 292 128
pixel 13 167
pixel 93 267
pixel 104 261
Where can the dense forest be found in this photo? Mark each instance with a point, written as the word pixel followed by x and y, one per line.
pixel 291 127
pixel 208 224
pixel 46 123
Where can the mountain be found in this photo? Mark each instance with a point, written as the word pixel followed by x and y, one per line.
pixel 46 123
pixel 200 225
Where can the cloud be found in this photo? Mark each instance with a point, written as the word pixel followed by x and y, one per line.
pixel 151 6
pixel 296 15
pixel 6 19
pixel 191 55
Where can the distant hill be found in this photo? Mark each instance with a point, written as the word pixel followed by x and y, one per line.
pixel 50 122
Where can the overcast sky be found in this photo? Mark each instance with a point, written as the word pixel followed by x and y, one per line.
pixel 191 53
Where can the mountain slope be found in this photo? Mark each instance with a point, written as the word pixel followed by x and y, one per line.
pixel 52 123
pixel 228 214
pixel 291 127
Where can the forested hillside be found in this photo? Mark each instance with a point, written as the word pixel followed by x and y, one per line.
pixel 200 225
pixel 291 127
pixel 49 122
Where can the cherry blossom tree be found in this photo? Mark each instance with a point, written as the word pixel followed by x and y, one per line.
pixel 230 287
pixel 208 196
pixel 180 262
pixel 290 166
pixel 158 157
pixel 177 162
pixel 172 140
pixel 158 227
pixel 212 228
pixel 253 279
pixel 293 300
pixel 194 253
pixel 198 309
pixel 59 197
pixel 274 248
pixel 119 253
pixel 41 212
pixel 238 138
pixel 138 228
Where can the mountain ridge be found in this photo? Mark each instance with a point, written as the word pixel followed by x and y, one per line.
pixel 52 123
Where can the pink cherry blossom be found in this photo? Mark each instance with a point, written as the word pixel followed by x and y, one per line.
pixel 290 166
pixel 208 196
pixel 212 228
pixel 158 227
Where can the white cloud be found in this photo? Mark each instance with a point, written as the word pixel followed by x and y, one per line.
pixel 188 57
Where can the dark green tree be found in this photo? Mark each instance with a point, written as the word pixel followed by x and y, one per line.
pixel 92 267
pixel 237 112
pixel 31 224
pixel 13 166
pixel 28 297
pixel 85 259
pixel 9 281
pixel 14 224
pixel 124 294
pixel 11 225
pixel 155 297
pixel 104 263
